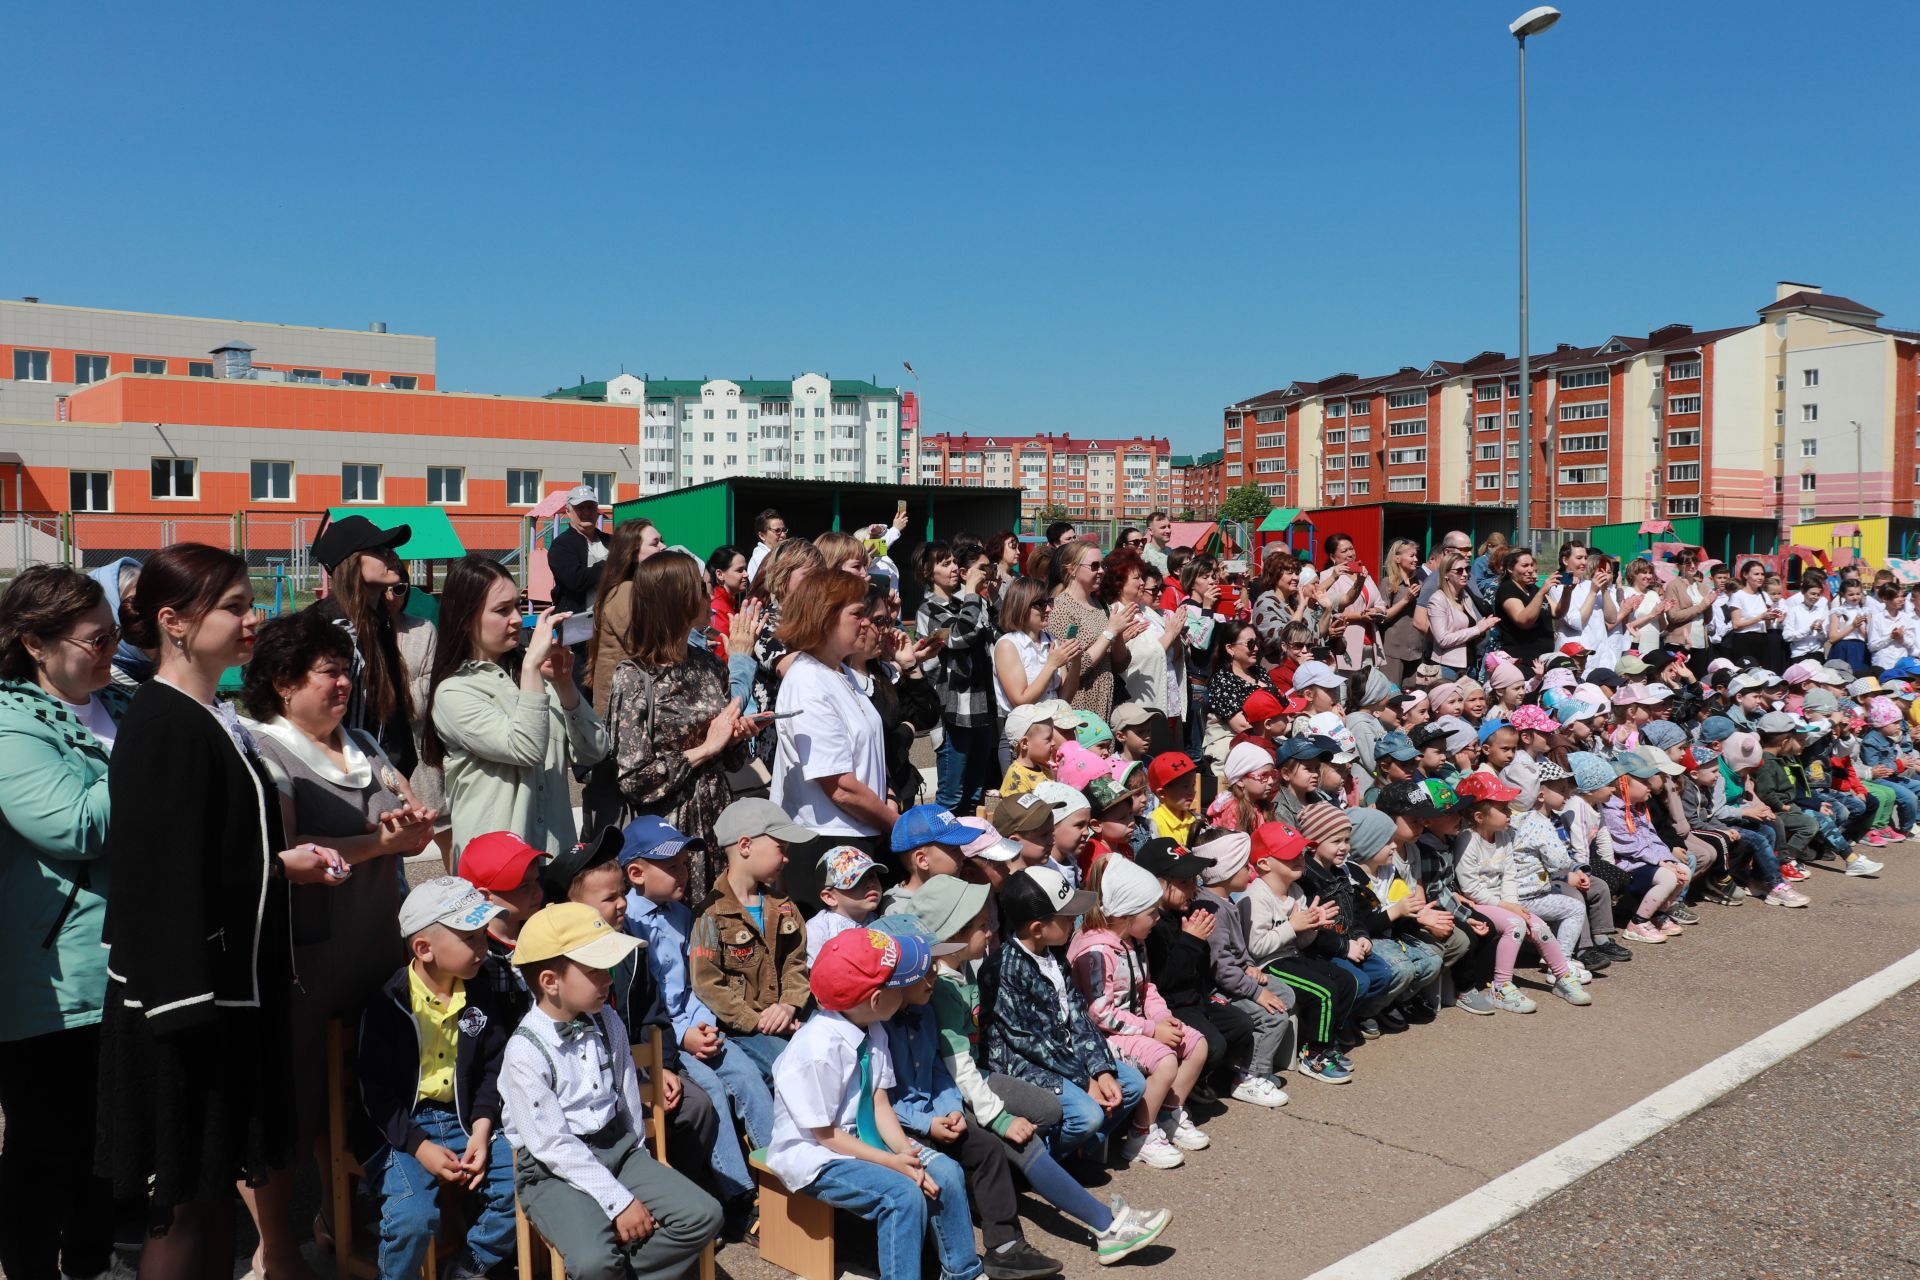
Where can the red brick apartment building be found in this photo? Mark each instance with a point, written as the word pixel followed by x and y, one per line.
pixel 1100 479
pixel 1808 412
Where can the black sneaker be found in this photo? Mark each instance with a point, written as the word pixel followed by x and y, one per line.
pixel 1369 1027
pixel 1594 958
pixel 1019 1261
pixel 1419 1013
pixel 1392 1020
pixel 1614 949
pixel 1681 913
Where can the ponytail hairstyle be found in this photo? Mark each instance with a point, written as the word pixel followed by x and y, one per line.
pixel 382 678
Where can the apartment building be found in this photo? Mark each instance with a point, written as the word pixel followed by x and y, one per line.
pixel 809 428
pixel 1196 483
pixel 138 429
pixel 1098 479
pixel 1807 413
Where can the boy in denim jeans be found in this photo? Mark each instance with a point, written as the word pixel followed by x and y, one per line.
pixel 430 1051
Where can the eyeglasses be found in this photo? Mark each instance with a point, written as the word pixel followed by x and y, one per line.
pixel 102 643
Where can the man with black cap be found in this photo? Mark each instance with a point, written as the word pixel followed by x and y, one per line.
pixel 362 571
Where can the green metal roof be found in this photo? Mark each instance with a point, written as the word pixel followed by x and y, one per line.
pixel 689 389
pixel 1209 458
pixel 1180 460
pixel 1278 519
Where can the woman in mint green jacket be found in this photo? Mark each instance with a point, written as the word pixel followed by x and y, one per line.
pixel 58 712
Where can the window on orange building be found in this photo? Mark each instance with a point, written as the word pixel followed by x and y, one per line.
pixel 199 368
pixel 359 482
pixel 30 366
pixel 89 369
pixel 357 379
pixel 523 487
pixel 447 486
pixel 174 477
pixel 90 490
pixel 271 481
pixel 144 364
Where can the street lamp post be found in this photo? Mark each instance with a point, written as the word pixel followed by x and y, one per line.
pixel 1860 474
pixel 1532 22
pixel 919 419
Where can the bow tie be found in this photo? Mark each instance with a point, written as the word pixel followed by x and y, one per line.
pixel 571 1031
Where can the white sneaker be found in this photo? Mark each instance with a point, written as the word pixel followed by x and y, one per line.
pixel 1861 865
pixel 1151 1148
pixel 1785 895
pixel 1260 1092
pixel 1183 1133
pixel 1580 972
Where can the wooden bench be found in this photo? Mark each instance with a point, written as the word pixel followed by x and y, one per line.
pixel 647 1057
pixel 796 1230
pixel 343 1167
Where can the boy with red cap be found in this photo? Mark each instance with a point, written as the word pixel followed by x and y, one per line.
pixel 1175 779
pixel 835 1135
pixel 505 869
pixel 1282 923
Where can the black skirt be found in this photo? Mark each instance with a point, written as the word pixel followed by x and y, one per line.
pixel 183 1117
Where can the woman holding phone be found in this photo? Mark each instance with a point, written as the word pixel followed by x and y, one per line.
pixel 1077 616
pixel 1753 611
pixel 1356 602
pixel 673 731
pixel 508 724
pixel 954 612
pixel 1029 665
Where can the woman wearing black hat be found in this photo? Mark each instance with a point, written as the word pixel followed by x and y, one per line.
pixel 362 570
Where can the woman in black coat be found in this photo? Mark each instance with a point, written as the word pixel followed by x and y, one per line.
pixel 195 1050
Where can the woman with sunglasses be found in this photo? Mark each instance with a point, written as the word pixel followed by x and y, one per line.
pixel 1029 665
pixel 1076 616
pixel 1453 619
pixel 59 713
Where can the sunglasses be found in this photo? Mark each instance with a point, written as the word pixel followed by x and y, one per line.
pixel 102 643
pixel 397 590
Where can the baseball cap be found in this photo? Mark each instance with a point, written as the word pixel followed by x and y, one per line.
pixel 1395 746
pixel 1533 717
pixel 1021 815
pixel 1104 793
pixel 1746 682
pixel 1076 766
pixel 1170 860
pixel 1775 722
pixel 1717 729
pixel 987 843
pixel 908 924
pixel 945 904
pixel 1699 756
pixel 1574 649
pixel 654 839
pixel 576 931
pixel 1430 734
pixel 582 493
pixel 1630 664
pixel 350 535
pixel 926 824
pixel 446 900
pixel 1317 675
pixel 561 869
pixel 857 963
pixel 1037 893
pixel 844 867
pixel 1062 799
pixel 1169 767
pixel 1484 786
pixel 1261 707
pixel 1654 758
pixel 1049 712
pixel 496 861
pixel 1820 701
pixel 1276 840
pixel 1091 730
pixel 1132 715
pixel 746 818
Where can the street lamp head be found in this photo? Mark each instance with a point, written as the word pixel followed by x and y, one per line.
pixel 907 365
pixel 1534 21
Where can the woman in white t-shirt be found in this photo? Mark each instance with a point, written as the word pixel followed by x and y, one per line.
pixel 1029 665
pixel 830 758
pixel 1750 613
pixel 1633 611
pixel 1574 600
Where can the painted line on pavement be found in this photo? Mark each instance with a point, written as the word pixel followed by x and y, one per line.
pixel 1422 1243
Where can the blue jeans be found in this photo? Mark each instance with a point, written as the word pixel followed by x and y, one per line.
pixel 901 1213
pixel 1083 1120
pixel 410 1209
pixel 1759 840
pixel 1850 811
pixel 734 1083
pixel 966 759
pixel 1379 984
pixel 1414 964
pixel 1906 801
pixel 761 1051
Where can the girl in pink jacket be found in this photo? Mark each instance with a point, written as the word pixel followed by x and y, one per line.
pixel 1109 961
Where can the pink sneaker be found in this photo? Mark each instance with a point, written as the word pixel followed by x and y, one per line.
pixel 1671 929
pixel 1643 931
pixel 1875 839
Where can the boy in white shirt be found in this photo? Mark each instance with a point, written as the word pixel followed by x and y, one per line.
pixel 572 1113
pixel 835 1135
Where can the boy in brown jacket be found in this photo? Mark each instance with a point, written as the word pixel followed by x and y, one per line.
pixel 747 954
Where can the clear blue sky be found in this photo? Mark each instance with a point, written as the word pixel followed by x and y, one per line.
pixel 1110 218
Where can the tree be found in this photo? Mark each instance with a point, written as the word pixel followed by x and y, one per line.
pixel 1048 514
pixel 1187 516
pixel 1246 503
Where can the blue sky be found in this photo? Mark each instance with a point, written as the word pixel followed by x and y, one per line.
pixel 1069 216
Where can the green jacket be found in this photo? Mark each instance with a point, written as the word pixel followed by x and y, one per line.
pixel 53 830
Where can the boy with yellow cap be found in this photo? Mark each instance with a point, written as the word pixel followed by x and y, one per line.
pixel 572 1113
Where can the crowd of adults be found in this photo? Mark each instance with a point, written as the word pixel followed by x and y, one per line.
pixel 192 887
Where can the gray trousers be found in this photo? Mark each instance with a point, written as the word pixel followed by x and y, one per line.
pixel 1599 900
pixel 686 1219
pixel 1275 1035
